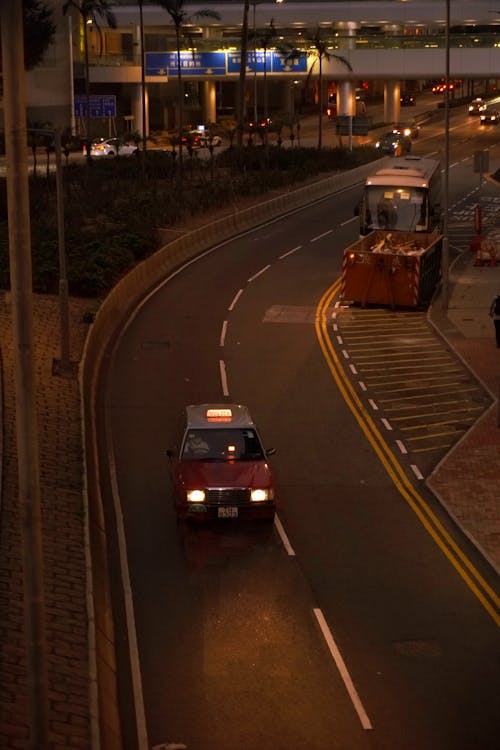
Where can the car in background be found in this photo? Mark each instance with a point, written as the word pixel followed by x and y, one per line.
pixel 440 88
pixel 410 128
pixel 393 143
pixel 211 139
pixel 113 147
pixel 221 470
pixel 200 139
pixel 490 116
pixel 407 100
pixel 192 139
pixel 259 125
pixel 477 106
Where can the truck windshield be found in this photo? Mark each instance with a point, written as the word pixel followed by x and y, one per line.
pixel 402 208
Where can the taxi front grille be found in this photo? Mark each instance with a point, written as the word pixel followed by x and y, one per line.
pixel 227 496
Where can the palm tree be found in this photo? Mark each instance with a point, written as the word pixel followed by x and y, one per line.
pixel 180 17
pixel 318 49
pixel 90 10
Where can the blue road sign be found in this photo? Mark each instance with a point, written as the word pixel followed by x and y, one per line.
pixel 192 64
pixel 275 62
pixel 100 106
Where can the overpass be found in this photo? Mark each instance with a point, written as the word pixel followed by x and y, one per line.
pixel 389 43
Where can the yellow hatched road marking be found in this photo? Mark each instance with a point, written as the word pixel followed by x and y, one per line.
pixel 465 568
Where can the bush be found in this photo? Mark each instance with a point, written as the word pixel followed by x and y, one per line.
pixel 114 208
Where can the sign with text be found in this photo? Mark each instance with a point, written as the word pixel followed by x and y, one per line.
pixel 208 64
pixel 100 106
pixel 192 64
pixel 275 62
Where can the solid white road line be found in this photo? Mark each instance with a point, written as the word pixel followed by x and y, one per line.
pixel 337 657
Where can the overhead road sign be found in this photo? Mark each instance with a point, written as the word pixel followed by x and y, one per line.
pixel 192 64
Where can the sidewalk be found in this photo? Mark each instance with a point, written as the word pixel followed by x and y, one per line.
pixel 467 480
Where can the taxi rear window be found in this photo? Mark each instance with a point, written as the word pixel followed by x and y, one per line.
pixel 222 445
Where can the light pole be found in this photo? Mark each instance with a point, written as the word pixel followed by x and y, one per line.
pixel 445 259
pixel 14 99
pixel 255 111
pixel 64 366
pixel 143 82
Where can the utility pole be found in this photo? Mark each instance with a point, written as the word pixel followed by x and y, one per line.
pixel 445 260
pixel 11 21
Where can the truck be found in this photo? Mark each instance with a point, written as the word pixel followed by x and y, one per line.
pixel 400 269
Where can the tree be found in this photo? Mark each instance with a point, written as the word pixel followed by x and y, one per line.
pixel 180 17
pixel 39 31
pixel 94 11
pixel 318 49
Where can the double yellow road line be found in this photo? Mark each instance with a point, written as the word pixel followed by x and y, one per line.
pixel 476 583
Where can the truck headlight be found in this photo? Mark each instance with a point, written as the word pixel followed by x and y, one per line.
pixel 195 496
pixel 259 496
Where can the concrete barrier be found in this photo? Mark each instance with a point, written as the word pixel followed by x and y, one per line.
pixel 111 316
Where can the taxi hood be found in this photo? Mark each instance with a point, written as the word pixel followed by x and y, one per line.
pixel 200 474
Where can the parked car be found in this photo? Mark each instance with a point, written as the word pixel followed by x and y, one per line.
pixel 477 106
pixel 410 128
pixel 220 469
pixel 394 143
pixel 407 100
pixel 490 116
pixel 112 147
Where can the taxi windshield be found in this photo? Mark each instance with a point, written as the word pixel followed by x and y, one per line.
pixel 222 444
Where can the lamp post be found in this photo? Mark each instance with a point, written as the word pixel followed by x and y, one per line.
pixel 64 366
pixel 143 82
pixel 255 111
pixel 14 100
pixel 445 259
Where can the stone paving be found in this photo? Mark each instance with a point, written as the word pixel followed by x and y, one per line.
pixel 61 469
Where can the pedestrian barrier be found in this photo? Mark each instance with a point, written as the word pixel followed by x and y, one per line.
pixel 487 250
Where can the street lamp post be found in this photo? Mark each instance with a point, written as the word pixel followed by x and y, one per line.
pixel 445 260
pixel 64 366
pixel 255 112
pixel 14 100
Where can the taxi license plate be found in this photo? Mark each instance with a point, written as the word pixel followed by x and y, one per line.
pixel 228 512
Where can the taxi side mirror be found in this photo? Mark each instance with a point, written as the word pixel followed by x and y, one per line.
pixel 270 451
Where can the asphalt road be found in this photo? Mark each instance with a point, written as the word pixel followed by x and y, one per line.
pixel 238 628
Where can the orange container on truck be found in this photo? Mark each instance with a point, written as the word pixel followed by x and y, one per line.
pixel 400 269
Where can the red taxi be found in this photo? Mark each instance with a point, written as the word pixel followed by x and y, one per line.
pixel 221 470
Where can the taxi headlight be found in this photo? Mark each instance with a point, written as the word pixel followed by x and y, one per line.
pixel 377 145
pixel 259 495
pixel 195 496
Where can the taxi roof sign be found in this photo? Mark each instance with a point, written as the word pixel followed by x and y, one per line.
pixel 219 415
pixel 213 415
